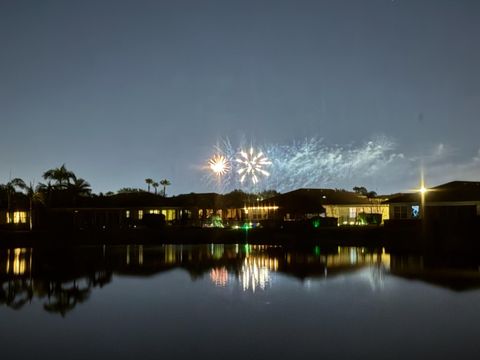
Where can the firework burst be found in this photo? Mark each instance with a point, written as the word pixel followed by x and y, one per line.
pixel 307 163
pixel 219 165
pixel 251 165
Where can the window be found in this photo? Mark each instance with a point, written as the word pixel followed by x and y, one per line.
pixel 140 214
pixel 400 212
pixel 352 213
pixel 127 214
pixel 415 211
pixel 18 217
pixel 169 214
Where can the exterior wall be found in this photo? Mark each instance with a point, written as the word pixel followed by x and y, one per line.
pixel 445 211
pixel 349 214
pixel 106 218
pixel 260 213
pixel 405 211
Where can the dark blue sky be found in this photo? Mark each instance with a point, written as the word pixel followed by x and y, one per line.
pixel 124 90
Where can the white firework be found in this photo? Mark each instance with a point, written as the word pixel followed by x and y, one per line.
pixel 306 163
pixel 252 165
pixel 219 165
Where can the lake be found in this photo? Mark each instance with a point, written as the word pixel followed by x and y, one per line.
pixel 236 302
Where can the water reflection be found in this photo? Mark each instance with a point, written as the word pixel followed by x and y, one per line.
pixel 62 279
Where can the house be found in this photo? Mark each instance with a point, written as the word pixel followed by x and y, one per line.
pixel 124 210
pixel 455 202
pixel 348 207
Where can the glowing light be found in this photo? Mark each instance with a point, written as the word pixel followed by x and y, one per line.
pixel 252 165
pixel 219 165
pixel 219 276
pixel 19 217
pixel 256 272
pixel 423 190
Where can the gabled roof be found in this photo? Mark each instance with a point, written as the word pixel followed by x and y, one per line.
pixel 454 191
pixel 201 200
pixel 311 199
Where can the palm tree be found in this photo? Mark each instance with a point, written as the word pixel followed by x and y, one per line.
pixel 155 186
pixel 80 187
pixel 165 183
pixel 34 195
pixel 60 175
pixel 46 191
pixel 149 182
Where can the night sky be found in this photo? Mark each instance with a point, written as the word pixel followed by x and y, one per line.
pixel 124 90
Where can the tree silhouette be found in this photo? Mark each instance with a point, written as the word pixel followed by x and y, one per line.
pixel 46 191
pixel 35 195
pixel 165 183
pixel 149 182
pixel 155 186
pixel 361 190
pixel 80 187
pixel 61 176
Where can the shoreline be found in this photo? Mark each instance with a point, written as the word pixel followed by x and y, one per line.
pixel 371 237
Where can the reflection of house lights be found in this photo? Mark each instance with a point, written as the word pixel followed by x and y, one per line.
pixel 219 276
pixel 19 264
pixel 255 272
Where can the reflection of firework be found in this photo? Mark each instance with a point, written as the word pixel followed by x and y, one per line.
pixel 219 276
pixel 219 165
pixel 251 165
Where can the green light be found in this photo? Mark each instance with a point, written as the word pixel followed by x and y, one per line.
pixel 316 223
pixel 316 250
pixel 217 221
pixel 246 226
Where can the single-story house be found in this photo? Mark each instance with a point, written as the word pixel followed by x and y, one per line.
pixel 348 207
pixel 456 202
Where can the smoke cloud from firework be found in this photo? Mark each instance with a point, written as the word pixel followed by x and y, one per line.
pixel 308 163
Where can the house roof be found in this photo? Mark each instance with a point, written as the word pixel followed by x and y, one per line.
pixel 454 191
pixel 315 199
pixel 138 199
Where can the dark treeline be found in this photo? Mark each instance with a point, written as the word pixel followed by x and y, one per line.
pixel 63 188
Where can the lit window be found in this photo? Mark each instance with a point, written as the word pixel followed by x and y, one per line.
pixel 19 217
pixel 140 214
pixel 415 211
pixel 127 214
pixel 169 214
pixel 352 213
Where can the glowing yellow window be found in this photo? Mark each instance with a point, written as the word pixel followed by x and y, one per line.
pixel 140 214
pixel 169 214
pixel 19 217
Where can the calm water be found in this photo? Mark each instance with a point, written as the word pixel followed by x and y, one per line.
pixel 236 302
